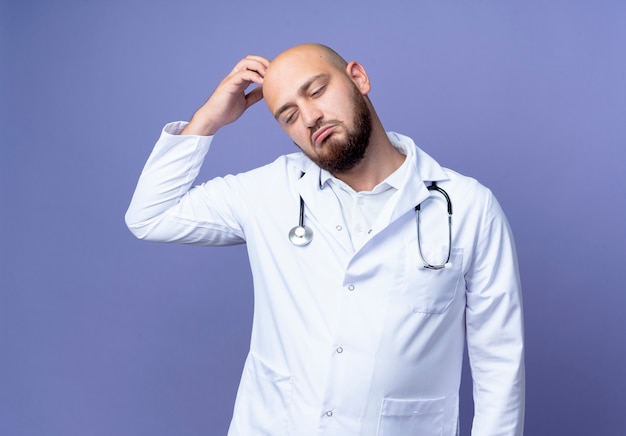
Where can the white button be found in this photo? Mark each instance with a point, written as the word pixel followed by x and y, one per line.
pixel 351 288
pixel 339 228
pixel 358 228
pixel 360 202
pixel 329 413
pixel 339 350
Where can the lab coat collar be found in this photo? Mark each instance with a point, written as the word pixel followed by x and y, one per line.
pixel 426 167
pixel 321 204
pixel 422 168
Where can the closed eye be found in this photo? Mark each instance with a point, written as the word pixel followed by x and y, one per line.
pixel 318 91
pixel 289 118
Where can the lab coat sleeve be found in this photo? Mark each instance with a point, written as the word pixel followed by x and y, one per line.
pixel 494 323
pixel 166 208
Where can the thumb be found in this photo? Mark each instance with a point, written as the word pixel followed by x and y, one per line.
pixel 254 96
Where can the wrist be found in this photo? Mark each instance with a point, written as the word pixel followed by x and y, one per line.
pixel 198 128
pixel 201 124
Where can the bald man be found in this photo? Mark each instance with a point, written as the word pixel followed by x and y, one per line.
pixel 362 311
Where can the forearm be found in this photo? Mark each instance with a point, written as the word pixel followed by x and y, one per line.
pixel 168 174
pixel 202 123
pixel 497 362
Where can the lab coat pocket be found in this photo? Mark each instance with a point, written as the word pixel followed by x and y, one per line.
pixel 429 290
pixel 411 417
pixel 263 401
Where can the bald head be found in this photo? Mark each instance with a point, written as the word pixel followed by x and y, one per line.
pixel 298 63
pixel 309 53
pixel 318 50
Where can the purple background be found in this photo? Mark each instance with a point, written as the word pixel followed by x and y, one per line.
pixel 101 334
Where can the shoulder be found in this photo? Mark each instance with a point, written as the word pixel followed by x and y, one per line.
pixel 462 182
pixel 472 198
pixel 283 166
pixel 273 177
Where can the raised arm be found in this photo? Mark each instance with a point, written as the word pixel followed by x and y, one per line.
pixel 164 206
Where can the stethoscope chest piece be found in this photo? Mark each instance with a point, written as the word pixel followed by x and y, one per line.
pixel 301 235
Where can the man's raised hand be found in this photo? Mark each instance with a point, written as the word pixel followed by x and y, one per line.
pixel 230 100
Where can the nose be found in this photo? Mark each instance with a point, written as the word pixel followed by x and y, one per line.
pixel 310 115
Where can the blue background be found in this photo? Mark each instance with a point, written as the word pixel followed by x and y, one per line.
pixel 101 334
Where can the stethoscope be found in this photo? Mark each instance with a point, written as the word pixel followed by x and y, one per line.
pixel 447 264
pixel 302 235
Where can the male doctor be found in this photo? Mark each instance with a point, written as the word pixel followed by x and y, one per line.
pixel 362 311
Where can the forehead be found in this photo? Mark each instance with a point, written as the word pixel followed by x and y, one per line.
pixel 289 72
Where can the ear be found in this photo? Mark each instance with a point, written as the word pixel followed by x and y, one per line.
pixel 357 73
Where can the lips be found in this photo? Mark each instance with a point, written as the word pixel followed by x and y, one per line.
pixel 322 133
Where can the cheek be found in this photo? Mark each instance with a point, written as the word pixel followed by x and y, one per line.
pixel 297 134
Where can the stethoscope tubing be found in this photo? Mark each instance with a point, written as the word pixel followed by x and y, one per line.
pixel 302 235
pixel 433 187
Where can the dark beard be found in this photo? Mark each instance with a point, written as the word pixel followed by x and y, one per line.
pixel 344 155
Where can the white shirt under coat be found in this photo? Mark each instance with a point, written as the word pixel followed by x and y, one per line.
pixel 351 335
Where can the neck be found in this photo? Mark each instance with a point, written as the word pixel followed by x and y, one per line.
pixel 381 159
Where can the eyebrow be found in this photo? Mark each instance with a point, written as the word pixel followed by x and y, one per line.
pixel 301 91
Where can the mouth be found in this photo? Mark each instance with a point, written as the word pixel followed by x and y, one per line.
pixel 321 134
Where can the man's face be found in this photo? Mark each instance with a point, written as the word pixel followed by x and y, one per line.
pixel 320 108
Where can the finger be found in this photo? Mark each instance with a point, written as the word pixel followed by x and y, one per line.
pixel 242 78
pixel 257 64
pixel 254 96
pixel 259 59
pixel 248 77
pixel 239 81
